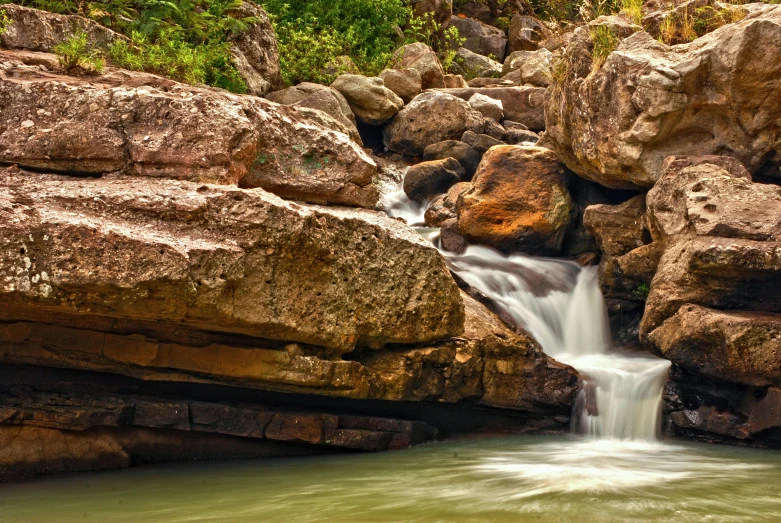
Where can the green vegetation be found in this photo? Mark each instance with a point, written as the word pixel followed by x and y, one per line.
pixel 4 21
pixel 642 291
pixel 182 39
pixel 605 42
pixel 633 9
pixel 76 51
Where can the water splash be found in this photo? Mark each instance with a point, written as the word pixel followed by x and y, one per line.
pixel 561 305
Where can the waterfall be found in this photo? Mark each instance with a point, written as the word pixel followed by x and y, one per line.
pixel 561 305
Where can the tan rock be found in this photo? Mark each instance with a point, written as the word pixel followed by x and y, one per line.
pixel 406 83
pixel 422 58
pixel 255 52
pixel 481 38
pixel 521 104
pixel 518 201
pixel 526 33
pixel 433 177
pixel 369 99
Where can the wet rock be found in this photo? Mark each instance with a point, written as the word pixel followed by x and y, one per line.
pixel 526 33
pixel 481 38
pixel 406 83
pixel 451 238
pixel 422 58
pixel 444 207
pixel 219 258
pixel 491 109
pixel 468 157
pixel 369 99
pixel 433 177
pixel 649 101
pixel 430 118
pixel 518 201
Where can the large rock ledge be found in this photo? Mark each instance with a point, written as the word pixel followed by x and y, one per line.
pixel 221 259
pixel 143 125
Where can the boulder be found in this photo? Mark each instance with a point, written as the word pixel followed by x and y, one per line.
pixel 218 258
pixel 525 34
pixel 423 59
pixel 444 206
pixel 490 108
pixel 370 100
pixel 534 67
pixel 518 201
pixel 430 118
pixel 427 179
pixel 455 81
pixel 476 65
pixel 495 130
pixel 142 125
pixel 616 124
pixel 525 105
pixel 720 238
pixel 451 238
pixel 739 347
pixel 254 50
pixel 406 83
pixel 480 142
pixel 441 10
pixel 468 157
pixel 481 38
pixel 322 98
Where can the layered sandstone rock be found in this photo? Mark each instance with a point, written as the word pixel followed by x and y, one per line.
pixel 146 126
pixel 518 201
pixel 219 258
pixel 715 95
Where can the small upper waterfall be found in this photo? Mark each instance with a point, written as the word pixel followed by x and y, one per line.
pixel 561 305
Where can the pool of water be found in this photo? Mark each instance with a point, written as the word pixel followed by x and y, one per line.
pixel 513 479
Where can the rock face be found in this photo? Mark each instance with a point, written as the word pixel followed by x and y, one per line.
pixel 406 83
pixel 481 38
pixel 524 105
pixel 255 52
pixel 427 179
pixel 228 279
pixel 322 98
pixel 649 101
pixel 518 201
pixel 142 125
pixel 370 100
pixel 430 118
pixel 423 59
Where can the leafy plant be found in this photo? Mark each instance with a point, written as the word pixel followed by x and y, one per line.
pixel 4 21
pixel 605 42
pixel 76 51
pixel 642 291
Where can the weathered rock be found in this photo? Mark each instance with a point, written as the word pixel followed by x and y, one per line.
pixel 491 109
pixel 427 179
pixel 430 118
pixel 495 130
pixel 37 30
pixel 476 65
pixel 740 347
pixel 525 34
pixel 720 235
pixel 444 207
pixel 451 238
pixel 370 100
pixel 491 82
pixel 219 258
pixel 422 58
pixel 481 38
pixel 521 104
pixel 514 136
pixel 143 125
pixel 518 201
pixel 534 67
pixel 322 98
pixel 480 142
pixel 455 81
pixel 254 51
pixel 650 101
pixel 441 10
pixel 468 157
pixel 406 83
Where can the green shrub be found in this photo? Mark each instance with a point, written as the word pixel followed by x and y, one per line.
pixel 76 51
pixel 4 21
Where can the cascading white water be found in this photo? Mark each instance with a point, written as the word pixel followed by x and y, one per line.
pixel 561 305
